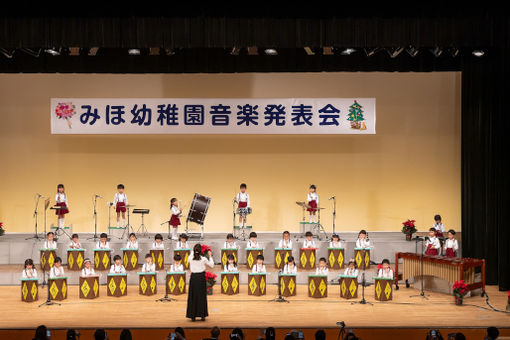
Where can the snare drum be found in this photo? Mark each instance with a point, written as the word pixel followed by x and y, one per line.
pixel 244 211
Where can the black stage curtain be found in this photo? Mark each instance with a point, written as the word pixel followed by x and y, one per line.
pixel 485 161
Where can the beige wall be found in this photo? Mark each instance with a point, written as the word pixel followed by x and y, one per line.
pixel 409 169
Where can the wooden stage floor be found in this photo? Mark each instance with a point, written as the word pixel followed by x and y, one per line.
pixel 135 311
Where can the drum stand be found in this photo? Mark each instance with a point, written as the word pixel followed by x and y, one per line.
pixel 59 231
pixel 48 302
pixel 422 291
pixel 363 285
pixel 169 233
pixel 319 226
pixel 201 237
pixel 142 229
pixel 128 228
pixel 36 235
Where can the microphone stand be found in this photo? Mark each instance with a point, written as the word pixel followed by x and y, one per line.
pixel 363 284
pixel 48 302
pixel 36 235
pixel 334 213
pixel 166 298
pixel 422 291
pixel 95 220
pixel 280 297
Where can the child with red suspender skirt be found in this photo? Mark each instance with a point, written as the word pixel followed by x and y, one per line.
pixel 243 202
pixel 451 245
pixel 61 201
pixel 313 202
pixel 432 245
pixel 120 200
pixel 174 219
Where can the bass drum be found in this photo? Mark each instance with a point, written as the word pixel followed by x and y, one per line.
pixel 198 209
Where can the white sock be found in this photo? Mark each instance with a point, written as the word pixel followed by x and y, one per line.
pixel 61 222
pixel 311 218
pixel 123 222
pixel 118 223
pixel 174 232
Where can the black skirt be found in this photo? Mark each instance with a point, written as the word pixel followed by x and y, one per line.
pixel 197 296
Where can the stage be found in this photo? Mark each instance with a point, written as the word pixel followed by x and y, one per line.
pixel 135 311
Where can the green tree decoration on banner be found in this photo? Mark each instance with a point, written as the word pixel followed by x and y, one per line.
pixel 355 116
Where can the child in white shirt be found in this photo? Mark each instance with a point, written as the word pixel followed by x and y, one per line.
pixel 103 242
pixel 148 266
pixel 177 266
pixel 432 244
pixel 351 269
pixel 259 267
pixel 75 244
pixel 362 241
pixel 335 242
pixel 290 267
pixel 117 266
pixel 285 242
pixel 50 243
pixel 309 242
pixel 87 268
pixel 229 243
pixel 132 243
pixel 313 202
pixel 322 269
pixel 158 242
pixel 385 271
pixel 231 265
pixel 29 272
pixel 451 245
pixel 252 242
pixel 57 270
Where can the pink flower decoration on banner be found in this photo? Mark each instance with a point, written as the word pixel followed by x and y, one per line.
pixel 66 111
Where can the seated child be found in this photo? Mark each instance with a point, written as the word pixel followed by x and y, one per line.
pixel 177 266
pixel 75 243
pixel 50 243
pixel 309 242
pixel 385 271
pixel 229 243
pixel 285 242
pixel 132 243
pixel 362 241
pixel 29 272
pixel 87 268
pixel 290 267
pixel 252 242
pixel 183 242
pixel 231 265
pixel 148 266
pixel 117 266
pixel 103 242
pixel 158 242
pixel 57 270
pixel 351 269
pixel 335 242
pixel 322 269
pixel 259 267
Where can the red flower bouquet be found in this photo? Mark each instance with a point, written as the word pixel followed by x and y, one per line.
pixel 459 291
pixel 205 250
pixel 210 280
pixel 409 229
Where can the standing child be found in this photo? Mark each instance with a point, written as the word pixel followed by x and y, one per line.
pixel 313 203
pixel 229 243
pixel 322 269
pixel 117 266
pixel 290 267
pixel 231 265
pixel 432 245
pixel 335 241
pixel 50 243
pixel 386 271
pixel 451 245
pixel 57 270
pixel 363 241
pixel 75 243
pixel 132 243
pixel 29 272
pixel 177 266
pixel 148 266
pixel 87 268
pixel 438 226
pixel 308 242
pixel 243 202
pixel 351 268
pixel 103 242
pixel 259 267
pixel 285 242
pixel 120 200
pixel 158 242
pixel 252 242
pixel 61 201
pixel 175 222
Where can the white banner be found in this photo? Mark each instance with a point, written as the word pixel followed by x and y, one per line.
pixel 213 116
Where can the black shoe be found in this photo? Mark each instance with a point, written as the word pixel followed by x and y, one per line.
pixel 193 319
pixel 203 318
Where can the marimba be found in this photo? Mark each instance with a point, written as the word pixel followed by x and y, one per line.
pixel 336 258
pixel 158 258
pixel 307 258
pixel 287 284
pixel 348 286
pixel 47 258
pixel 257 284
pixel 89 287
pixel 318 286
pixel 176 283
pixel 226 252
pixel 58 288
pixel 450 269
pixel 147 283
pixel 29 290
pixel 75 259
pixel 230 283
pixel 130 258
pixel 184 252
pixel 102 259
pixel 116 285
pixel 383 290
pixel 251 256
pixel 362 258
pixel 281 256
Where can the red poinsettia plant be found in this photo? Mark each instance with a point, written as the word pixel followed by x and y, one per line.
pixel 210 278
pixel 205 250
pixel 409 227
pixel 2 230
pixel 460 289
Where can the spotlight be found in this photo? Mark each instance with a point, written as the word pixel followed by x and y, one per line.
pixel 478 53
pixel 169 51
pixel 93 51
pixel 393 52
pixel 6 53
pixel 309 50
pixel 348 51
pixel 436 51
pixel 271 51
pixel 327 50
pixel 74 51
pixel 253 50
pixel 134 51
pixel 371 51
pixel 53 51
pixel 454 51
pixel 153 50
pixel 412 51
pixel 235 50
pixel 31 52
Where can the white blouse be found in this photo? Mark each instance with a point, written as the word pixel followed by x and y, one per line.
pixel 258 269
pixel 176 268
pixel 434 241
pixel 243 197
pixel 451 244
pixel 252 244
pixel 388 274
pixel 101 245
pixel 88 272
pixel 74 245
pixel 439 226
pixel 351 272
pixel 335 244
pixel 312 196
pixel 309 244
pixel 120 198
pixel 285 243
pixel 29 273
pixel 132 245
pixel 114 269
pixel 228 245
pixel 56 272
pixel 149 268
pixel 362 243
pixel 49 245
pixel 198 266
pixel 181 245
pixel 322 271
pixel 230 268
pixel 61 198
pixel 156 245
pixel 288 270
pixel 175 210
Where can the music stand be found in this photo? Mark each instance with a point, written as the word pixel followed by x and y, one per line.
pixel 128 228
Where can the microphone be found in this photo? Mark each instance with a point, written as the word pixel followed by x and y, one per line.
pixel 331 198
pixel 40 196
pixel 98 196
